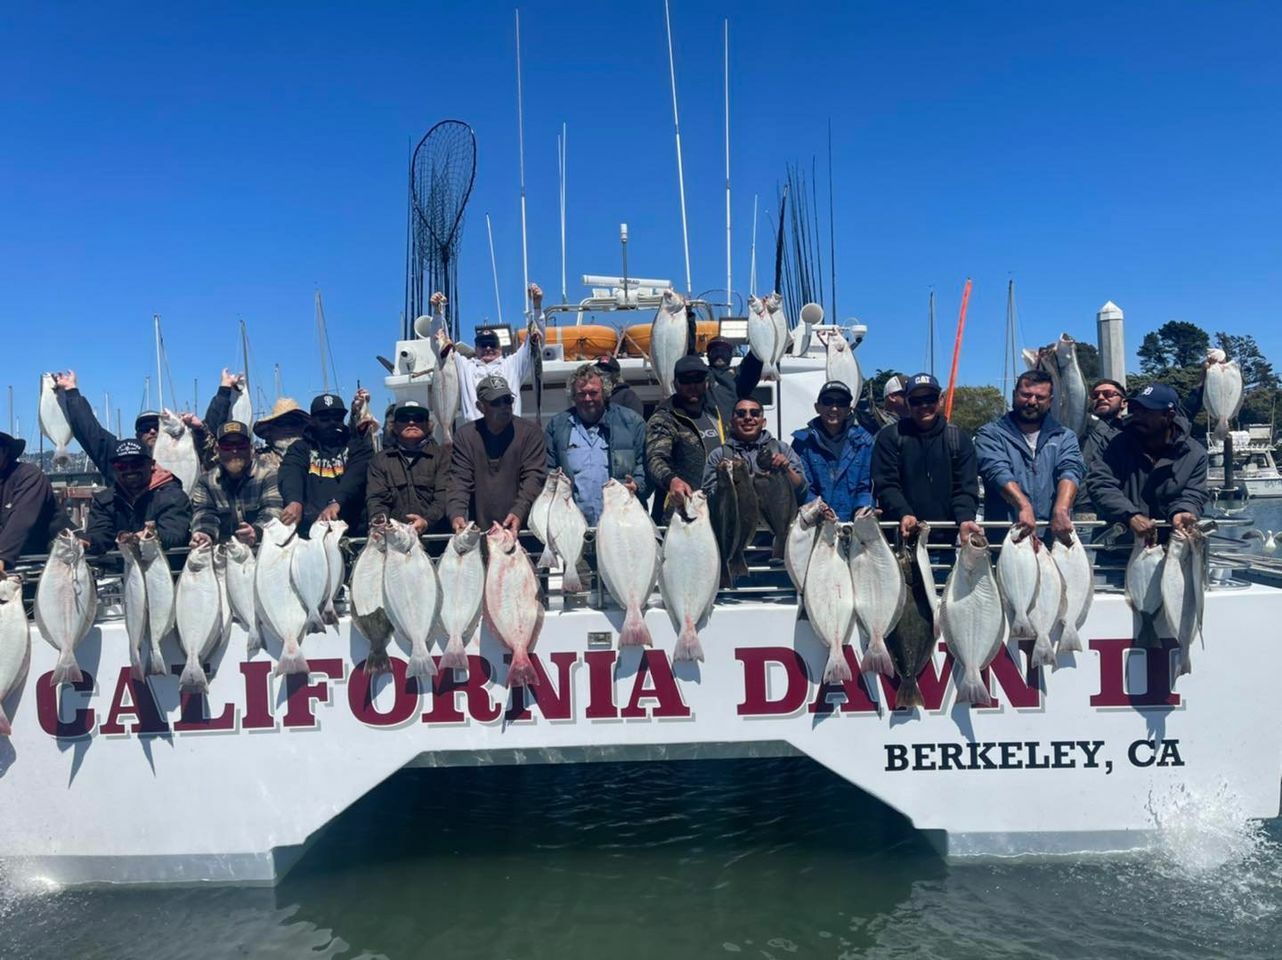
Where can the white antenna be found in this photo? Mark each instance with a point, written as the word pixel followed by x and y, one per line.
pixel 160 389
pixel 520 134
pixel 561 165
pixel 494 268
pixel 676 122
pixel 729 287
pixel 752 271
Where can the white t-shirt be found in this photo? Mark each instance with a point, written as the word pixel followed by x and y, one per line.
pixel 1031 440
pixel 514 368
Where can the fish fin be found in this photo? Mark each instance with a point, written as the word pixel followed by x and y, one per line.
pixel 971 688
pixel 837 670
pixel 5 728
pixel 1186 665
pixel 688 645
pixel 1020 628
pixel 253 640
pixel 877 657
pixel 521 672
pixel 570 581
pixel 1222 428
pixel 421 665
pixel 909 694
pixel 547 557
pixel 1069 640
pixel 1042 655
pixel 315 624
pixel 376 662
pixel 292 663
pixel 156 665
pixel 135 665
pixel 455 655
pixel 329 615
pixel 67 670
pixel 635 633
pixel 193 677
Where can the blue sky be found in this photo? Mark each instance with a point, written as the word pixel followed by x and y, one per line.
pixel 211 162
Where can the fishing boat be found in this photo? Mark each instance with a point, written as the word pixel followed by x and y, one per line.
pixel 1254 466
pixel 116 780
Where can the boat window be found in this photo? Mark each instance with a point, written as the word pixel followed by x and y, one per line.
pixel 764 394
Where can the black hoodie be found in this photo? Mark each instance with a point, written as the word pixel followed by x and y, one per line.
pixel 315 473
pixel 1123 481
pixel 913 473
pixel 29 514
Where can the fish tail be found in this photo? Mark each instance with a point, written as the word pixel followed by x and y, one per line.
pixel 688 645
pixel 193 676
pixel 421 666
pixel 315 623
pixel 971 688
pixel 909 694
pixel 292 661
pixel 877 657
pixel 5 728
pixel 67 670
pixel 521 672
pixel 376 662
pixel 634 633
pixel 837 670
pixel 156 665
pixel 570 581
pixel 330 616
pixel 547 557
pixel 1069 640
pixel 1043 655
pixel 1186 665
pixel 1222 428
pixel 253 640
pixel 455 655
pixel 1020 625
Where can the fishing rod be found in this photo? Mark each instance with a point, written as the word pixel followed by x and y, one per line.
pixel 676 123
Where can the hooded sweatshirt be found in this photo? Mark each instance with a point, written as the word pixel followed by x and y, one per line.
pixel 1125 481
pixel 29 514
pixel 111 512
pixel 318 470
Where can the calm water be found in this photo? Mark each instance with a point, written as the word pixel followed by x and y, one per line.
pixel 747 858
pixel 753 858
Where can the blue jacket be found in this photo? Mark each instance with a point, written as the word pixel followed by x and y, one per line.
pixel 1003 456
pixel 625 434
pixel 845 484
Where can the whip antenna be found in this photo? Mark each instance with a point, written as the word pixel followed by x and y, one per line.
pixel 676 122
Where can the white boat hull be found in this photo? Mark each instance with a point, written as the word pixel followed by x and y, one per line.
pixel 112 782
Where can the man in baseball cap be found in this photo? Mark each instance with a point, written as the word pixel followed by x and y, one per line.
pixel 834 451
pixel 1153 470
pixel 238 496
pixel 141 494
pixel 322 475
pixel 498 463
pixel 407 477
pixel 894 397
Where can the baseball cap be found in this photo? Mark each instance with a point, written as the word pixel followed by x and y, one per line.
pixel 835 386
pixel 327 402
pixel 1156 396
pixel 893 385
pixel 720 342
pixel 488 338
pixel 130 448
pixel 407 408
pixel 493 388
pixel 233 429
pixel 690 366
pixel 921 381
pixel 140 421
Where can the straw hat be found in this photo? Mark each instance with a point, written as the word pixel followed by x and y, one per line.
pixel 284 407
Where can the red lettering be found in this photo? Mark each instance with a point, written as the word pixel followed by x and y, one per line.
pixel 445 691
pixel 601 704
pixel 48 710
pixel 301 692
pixel 654 666
pixel 932 682
pixel 258 695
pixel 756 688
pixel 1112 674
pixel 554 703
pixel 133 698
pixel 856 698
pixel 360 697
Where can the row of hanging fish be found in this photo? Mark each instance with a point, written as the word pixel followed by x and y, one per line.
pixel 1170 582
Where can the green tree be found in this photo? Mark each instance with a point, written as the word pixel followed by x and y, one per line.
pixel 1256 369
pixel 975 406
pixel 1176 343
pixel 1088 361
pixel 878 381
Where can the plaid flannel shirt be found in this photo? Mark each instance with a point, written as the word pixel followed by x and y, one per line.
pixel 217 509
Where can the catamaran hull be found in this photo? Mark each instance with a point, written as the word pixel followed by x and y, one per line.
pixel 1083 758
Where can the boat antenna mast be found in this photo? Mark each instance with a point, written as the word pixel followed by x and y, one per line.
pixel 520 139
pixel 494 269
pixel 726 59
pixel 561 157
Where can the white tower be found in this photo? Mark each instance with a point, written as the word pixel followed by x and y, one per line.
pixel 1112 342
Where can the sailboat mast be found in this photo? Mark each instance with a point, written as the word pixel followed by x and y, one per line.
pixel 320 342
pixel 729 282
pixel 160 389
pixel 676 122
pixel 562 156
pixel 520 136
pixel 752 269
pixel 494 268
pixel 930 333
pixel 244 355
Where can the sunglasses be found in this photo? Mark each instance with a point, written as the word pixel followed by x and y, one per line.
pixel 691 378
pixel 500 402
pixel 927 401
pixel 1105 395
pixel 839 402
pixel 748 414
pixel 420 420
